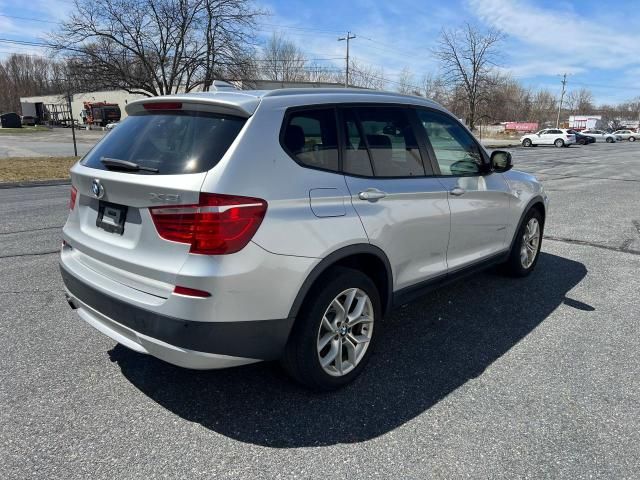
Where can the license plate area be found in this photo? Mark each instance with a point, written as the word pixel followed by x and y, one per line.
pixel 111 217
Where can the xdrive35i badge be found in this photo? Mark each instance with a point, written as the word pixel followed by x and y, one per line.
pixel 164 197
pixel 97 189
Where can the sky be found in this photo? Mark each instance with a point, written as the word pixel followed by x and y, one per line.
pixel 597 45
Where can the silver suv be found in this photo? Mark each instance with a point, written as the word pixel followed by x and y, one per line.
pixel 219 229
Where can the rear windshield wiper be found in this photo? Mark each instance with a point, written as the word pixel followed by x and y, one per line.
pixel 117 164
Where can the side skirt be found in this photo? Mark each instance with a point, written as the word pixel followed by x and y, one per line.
pixel 412 292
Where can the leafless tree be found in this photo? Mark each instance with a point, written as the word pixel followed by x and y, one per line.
pixel 27 75
pixel 282 60
pixel 468 56
pixel 580 101
pixel 434 88
pixel 406 82
pixel 157 47
pixel 366 76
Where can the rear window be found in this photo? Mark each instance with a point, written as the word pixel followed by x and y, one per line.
pixel 172 142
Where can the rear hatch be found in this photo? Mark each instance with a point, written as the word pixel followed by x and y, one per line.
pixel 159 156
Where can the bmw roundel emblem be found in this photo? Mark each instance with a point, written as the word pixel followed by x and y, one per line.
pixel 97 189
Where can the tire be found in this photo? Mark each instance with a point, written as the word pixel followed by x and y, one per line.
pixel 559 143
pixel 609 140
pixel 582 141
pixel 303 352
pixel 515 266
pixel 527 142
pixel 632 139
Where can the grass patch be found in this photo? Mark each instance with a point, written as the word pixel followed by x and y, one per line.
pixel 23 130
pixel 22 169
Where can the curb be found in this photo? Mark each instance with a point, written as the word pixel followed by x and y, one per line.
pixel 35 183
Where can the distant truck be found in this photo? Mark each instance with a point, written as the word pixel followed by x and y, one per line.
pixel 100 113
pixel 585 122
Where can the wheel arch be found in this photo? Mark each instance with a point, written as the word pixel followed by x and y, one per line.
pixel 538 203
pixel 365 257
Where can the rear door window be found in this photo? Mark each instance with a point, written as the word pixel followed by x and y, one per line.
pixel 390 139
pixel 356 159
pixel 310 137
pixel 171 142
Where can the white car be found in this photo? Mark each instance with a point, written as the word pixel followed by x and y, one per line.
pixel 601 136
pixel 559 137
pixel 627 135
pixel 111 126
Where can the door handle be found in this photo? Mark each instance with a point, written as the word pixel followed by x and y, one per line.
pixel 372 194
pixel 457 191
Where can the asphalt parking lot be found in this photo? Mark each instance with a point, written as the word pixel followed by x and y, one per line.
pixel 56 142
pixel 488 378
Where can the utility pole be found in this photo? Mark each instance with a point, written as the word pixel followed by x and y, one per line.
pixel 564 83
pixel 347 38
pixel 73 127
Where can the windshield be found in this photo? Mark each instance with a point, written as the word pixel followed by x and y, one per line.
pixel 171 142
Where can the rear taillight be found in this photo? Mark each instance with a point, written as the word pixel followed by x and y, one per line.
pixel 72 198
pixel 218 225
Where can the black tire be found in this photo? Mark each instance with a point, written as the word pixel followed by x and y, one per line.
pixel 513 266
pixel 632 139
pixel 559 143
pixel 582 141
pixel 609 140
pixel 527 142
pixel 300 358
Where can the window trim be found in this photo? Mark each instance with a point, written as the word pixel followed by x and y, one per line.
pixel 484 168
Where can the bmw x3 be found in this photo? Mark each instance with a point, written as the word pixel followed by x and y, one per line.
pixel 218 229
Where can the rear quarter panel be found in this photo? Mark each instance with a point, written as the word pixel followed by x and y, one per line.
pixel 257 166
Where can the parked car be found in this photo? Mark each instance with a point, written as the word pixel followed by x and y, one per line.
pixel 111 126
pixel 626 135
pixel 28 120
pixel 582 139
pixel 225 228
pixel 601 136
pixel 559 137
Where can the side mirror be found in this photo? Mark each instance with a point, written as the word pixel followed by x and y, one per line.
pixel 501 161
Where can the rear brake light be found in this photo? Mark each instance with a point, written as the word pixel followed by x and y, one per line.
pixel 162 106
pixel 191 292
pixel 72 198
pixel 217 225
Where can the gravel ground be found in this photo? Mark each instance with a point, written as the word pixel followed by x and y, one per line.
pixel 487 378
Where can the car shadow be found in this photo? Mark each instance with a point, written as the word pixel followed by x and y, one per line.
pixel 425 351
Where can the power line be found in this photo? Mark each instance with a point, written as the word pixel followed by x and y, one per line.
pixel 29 19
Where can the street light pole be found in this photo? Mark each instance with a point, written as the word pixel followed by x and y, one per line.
pixel 346 76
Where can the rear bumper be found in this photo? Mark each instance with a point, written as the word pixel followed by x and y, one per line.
pixel 186 343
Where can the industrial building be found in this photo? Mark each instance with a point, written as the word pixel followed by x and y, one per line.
pixel 55 108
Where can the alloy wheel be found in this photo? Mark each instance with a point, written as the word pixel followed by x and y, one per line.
pixel 530 243
pixel 345 332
